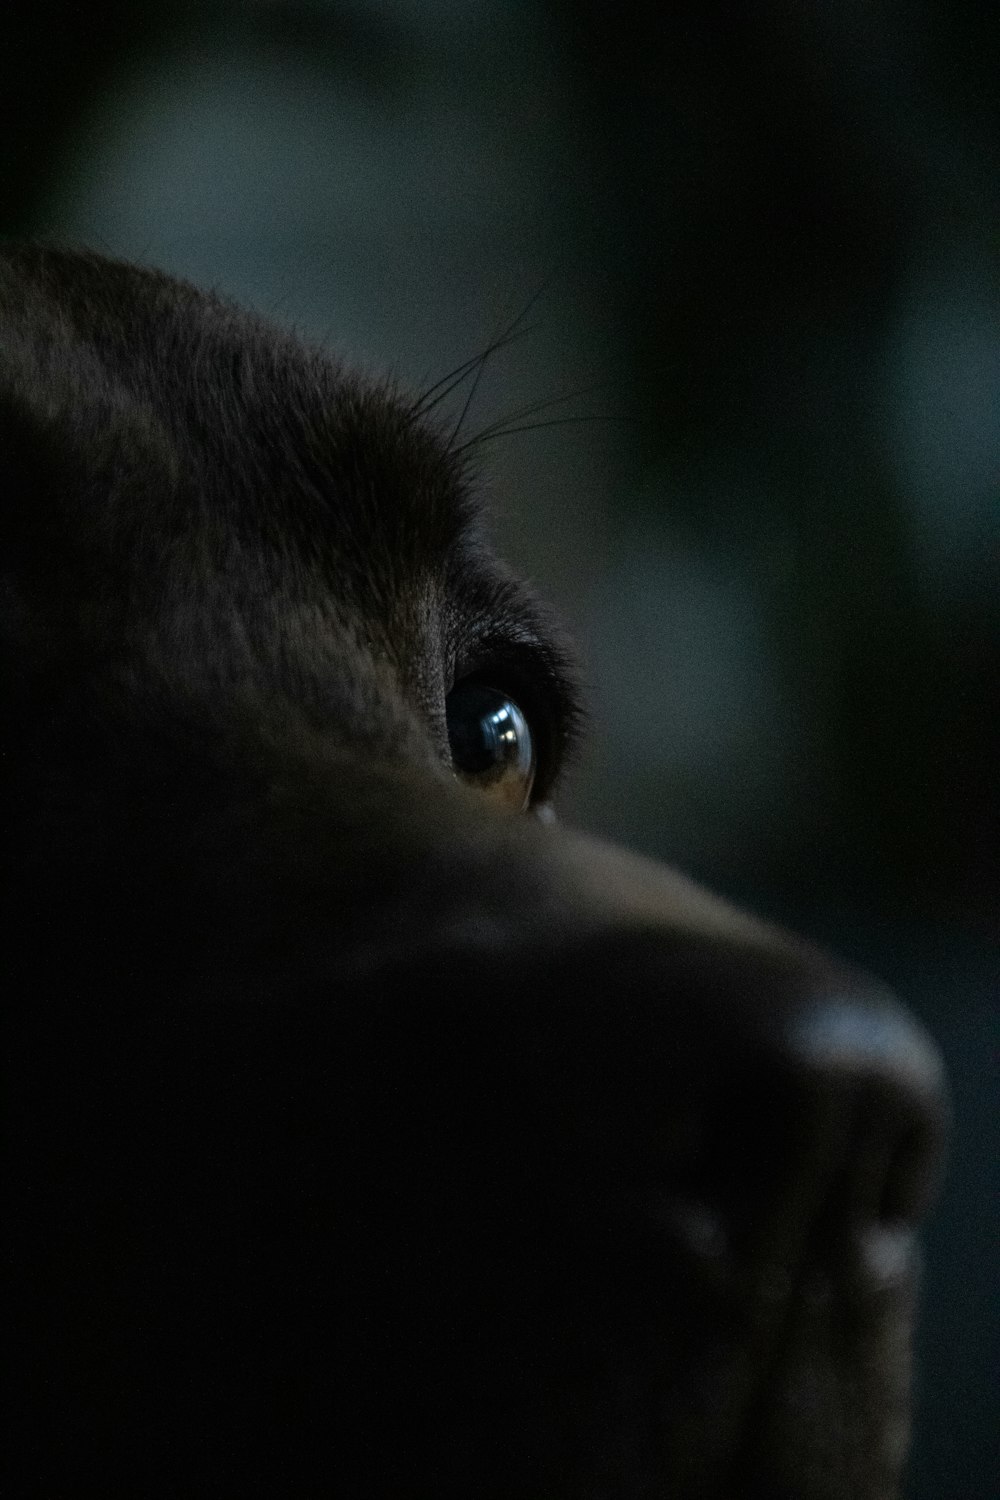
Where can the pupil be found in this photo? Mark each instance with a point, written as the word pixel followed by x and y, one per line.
pixel 481 731
pixel 491 744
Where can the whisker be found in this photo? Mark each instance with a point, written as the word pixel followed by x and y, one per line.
pixel 473 388
pixel 514 329
pixel 532 409
pixel 490 434
pixel 442 389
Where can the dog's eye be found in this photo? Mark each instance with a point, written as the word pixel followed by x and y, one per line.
pixel 491 744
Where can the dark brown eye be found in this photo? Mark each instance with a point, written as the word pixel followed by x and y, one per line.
pixel 491 744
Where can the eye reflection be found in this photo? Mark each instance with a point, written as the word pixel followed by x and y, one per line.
pixel 491 744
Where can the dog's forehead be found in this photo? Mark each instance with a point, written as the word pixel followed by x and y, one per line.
pixel 253 432
pixel 226 507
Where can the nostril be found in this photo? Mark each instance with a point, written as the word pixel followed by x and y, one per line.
pixel 869 1054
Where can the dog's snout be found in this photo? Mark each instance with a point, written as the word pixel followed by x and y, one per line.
pixel 781 1108
pixel 818 1115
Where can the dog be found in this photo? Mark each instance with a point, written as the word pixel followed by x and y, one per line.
pixel 369 1134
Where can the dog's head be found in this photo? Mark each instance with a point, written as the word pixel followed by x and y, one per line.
pixel 370 1135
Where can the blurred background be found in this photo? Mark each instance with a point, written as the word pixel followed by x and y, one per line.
pixel 756 251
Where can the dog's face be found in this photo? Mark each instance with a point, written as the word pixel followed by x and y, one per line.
pixel 369 1135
